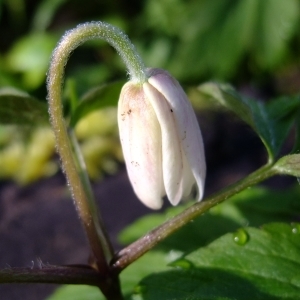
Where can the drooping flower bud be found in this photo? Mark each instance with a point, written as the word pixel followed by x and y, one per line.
pixel 161 140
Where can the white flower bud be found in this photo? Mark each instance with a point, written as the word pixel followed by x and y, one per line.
pixel 161 140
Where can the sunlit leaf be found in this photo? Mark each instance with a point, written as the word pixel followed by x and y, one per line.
pixel 19 108
pixel 77 292
pixel 30 56
pixel 248 264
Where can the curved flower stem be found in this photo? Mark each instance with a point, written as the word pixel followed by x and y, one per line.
pixel 152 238
pixel 84 203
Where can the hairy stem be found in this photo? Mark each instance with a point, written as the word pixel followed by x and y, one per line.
pixel 77 274
pixel 51 274
pixel 81 193
pixel 81 169
pixel 83 201
pixel 135 250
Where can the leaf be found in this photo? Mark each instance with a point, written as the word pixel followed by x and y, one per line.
pixel 255 206
pixel 99 97
pixel 76 292
pixel 30 56
pixel 226 95
pixel 215 36
pixel 271 121
pixel 19 108
pixel 45 13
pixel 289 165
pixel 276 22
pixel 264 267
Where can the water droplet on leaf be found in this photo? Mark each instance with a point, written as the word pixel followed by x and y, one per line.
pixel 181 264
pixel 241 237
pixel 295 228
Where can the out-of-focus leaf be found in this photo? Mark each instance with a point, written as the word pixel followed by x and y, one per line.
pixel 271 121
pixel 255 206
pixel 99 97
pixel 213 37
pixel 30 56
pixel 44 14
pixel 87 76
pixel 166 15
pixel 16 10
pixel 249 264
pixel 276 22
pixel 19 108
pixel 77 292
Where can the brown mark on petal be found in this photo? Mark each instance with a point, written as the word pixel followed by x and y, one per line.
pixel 135 163
pixel 123 116
pixel 171 110
pixel 129 112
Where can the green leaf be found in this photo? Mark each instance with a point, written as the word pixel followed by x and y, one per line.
pixel 274 120
pixel 77 292
pixel 264 266
pixel 276 22
pixel 258 30
pixel 30 56
pixel 99 97
pixel 289 165
pixel 271 121
pixel 153 261
pixel 45 13
pixel 19 108
pixel 255 206
pixel 225 95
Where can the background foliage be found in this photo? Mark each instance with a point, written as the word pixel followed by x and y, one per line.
pixel 252 44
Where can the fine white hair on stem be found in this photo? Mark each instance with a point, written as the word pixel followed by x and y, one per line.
pixel 111 34
pixel 84 203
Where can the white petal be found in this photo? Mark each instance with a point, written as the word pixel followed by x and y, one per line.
pixel 141 142
pixel 171 148
pixel 186 121
pixel 188 178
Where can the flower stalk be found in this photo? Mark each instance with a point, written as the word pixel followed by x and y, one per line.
pixel 138 248
pixel 70 159
pixel 169 118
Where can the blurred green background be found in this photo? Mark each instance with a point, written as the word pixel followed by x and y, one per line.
pixel 252 44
